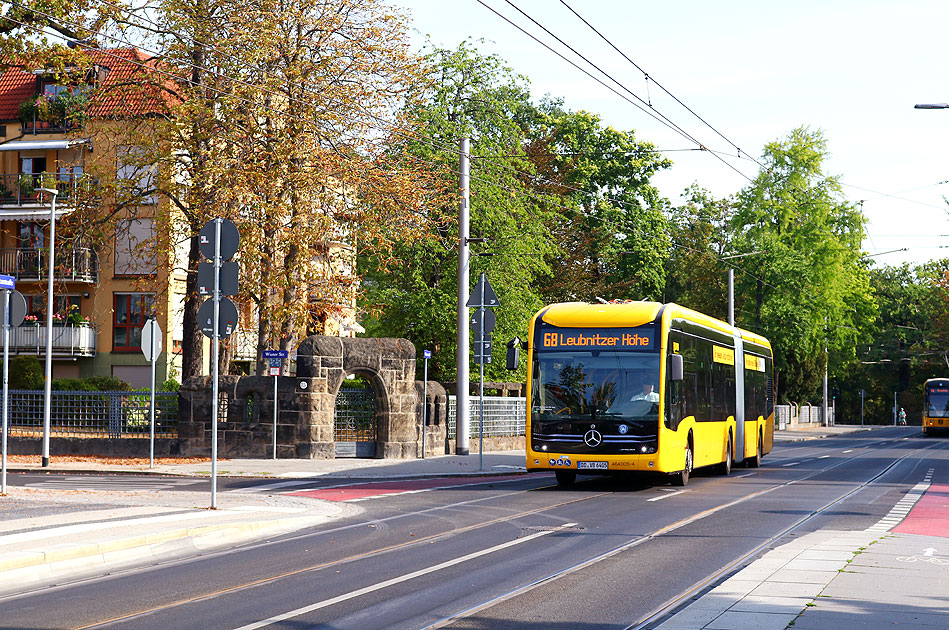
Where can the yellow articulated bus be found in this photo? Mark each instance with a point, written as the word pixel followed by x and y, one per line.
pixel 643 386
pixel 935 406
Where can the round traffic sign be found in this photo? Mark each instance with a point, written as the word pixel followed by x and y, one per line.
pixel 230 239
pixel 227 318
pixel 17 308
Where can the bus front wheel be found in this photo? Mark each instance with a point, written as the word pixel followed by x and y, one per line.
pixel 681 478
pixel 565 478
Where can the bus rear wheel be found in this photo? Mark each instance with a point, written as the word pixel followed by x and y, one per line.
pixel 725 468
pixel 755 462
pixel 565 478
pixel 681 478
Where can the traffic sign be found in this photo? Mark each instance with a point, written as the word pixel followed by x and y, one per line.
pixel 489 299
pixel 228 282
pixel 275 370
pixel 490 320
pixel 227 318
pixel 482 348
pixel 7 282
pixel 17 308
pixel 151 340
pixel 276 354
pixel 230 239
pixel 426 354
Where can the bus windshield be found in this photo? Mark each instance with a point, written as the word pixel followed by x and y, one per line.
pixel 937 402
pixel 595 385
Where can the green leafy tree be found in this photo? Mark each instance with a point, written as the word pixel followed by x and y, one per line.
pixel 810 285
pixel 610 223
pixel 701 233
pixel 413 291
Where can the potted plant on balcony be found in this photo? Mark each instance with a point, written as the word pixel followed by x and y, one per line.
pixel 27 112
pixel 74 318
pixel 70 108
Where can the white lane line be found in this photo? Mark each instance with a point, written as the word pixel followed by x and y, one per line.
pixel 791 464
pixel 741 476
pixel 849 450
pixel 397 580
pixel 666 496
pixel 823 457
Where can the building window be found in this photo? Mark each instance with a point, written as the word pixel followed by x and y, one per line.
pixel 134 177
pixel 131 311
pixel 134 247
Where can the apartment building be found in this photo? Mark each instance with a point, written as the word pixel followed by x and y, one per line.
pixel 56 135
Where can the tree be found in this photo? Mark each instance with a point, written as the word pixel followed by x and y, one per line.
pixel 413 292
pixel 610 224
pixel 701 234
pixel 810 285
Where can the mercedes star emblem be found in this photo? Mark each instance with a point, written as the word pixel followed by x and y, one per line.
pixel 592 438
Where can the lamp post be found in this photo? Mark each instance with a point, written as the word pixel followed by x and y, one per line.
pixel 47 396
pixel 731 284
pixel 931 106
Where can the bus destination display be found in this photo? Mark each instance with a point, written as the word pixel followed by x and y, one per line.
pixel 641 339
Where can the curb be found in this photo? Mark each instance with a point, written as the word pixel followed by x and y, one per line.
pixel 34 568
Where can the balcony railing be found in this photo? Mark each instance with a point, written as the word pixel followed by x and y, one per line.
pixel 29 264
pixel 69 341
pixel 41 126
pixel 21 189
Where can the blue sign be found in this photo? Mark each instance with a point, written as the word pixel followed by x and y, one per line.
pixel 274 363
pixel 7 282
pixel 276 354
pixel 427 354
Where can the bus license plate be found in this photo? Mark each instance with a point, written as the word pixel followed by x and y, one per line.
pixel 593 465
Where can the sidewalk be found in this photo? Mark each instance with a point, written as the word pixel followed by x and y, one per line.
pixel 831 580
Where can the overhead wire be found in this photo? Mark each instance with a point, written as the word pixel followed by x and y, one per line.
pixel 416 158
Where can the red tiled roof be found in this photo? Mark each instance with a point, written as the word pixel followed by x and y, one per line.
pixel 129 88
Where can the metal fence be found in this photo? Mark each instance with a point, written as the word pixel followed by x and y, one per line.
pixel 93 414
pixel 503 416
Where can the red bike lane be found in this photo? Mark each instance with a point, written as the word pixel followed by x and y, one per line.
pixel 930 515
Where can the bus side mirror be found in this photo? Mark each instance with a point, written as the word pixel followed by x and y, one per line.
pixel 513 353
pixel 675 367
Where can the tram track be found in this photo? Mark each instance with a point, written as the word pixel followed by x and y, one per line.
pixel 642 622
pixel 671 604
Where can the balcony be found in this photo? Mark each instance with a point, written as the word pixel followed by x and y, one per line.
pixel 68 341
pixel 18 191
pixel 30 265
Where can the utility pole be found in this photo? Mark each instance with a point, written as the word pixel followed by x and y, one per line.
pixel 50 305
pixel 461 394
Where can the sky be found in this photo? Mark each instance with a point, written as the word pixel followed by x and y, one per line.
pixel 754 71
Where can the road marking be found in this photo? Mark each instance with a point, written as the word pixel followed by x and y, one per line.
pixel 398 580
pixel 929 552
pixel 903 507
pixel 666 496
pixel 791 464
pixel 745 475
pixel 823 457
pixel 849 450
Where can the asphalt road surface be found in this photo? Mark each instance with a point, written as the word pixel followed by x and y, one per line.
pixel 505 552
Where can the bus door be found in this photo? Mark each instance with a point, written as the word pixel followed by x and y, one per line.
pixel 739 400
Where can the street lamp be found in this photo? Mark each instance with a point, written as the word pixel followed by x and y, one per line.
pixel 47 396
pixel 931 106
pixel 731 284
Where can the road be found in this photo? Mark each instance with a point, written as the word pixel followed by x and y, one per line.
pixel 506 552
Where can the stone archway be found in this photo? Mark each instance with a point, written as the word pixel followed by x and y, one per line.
pixel 322 366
